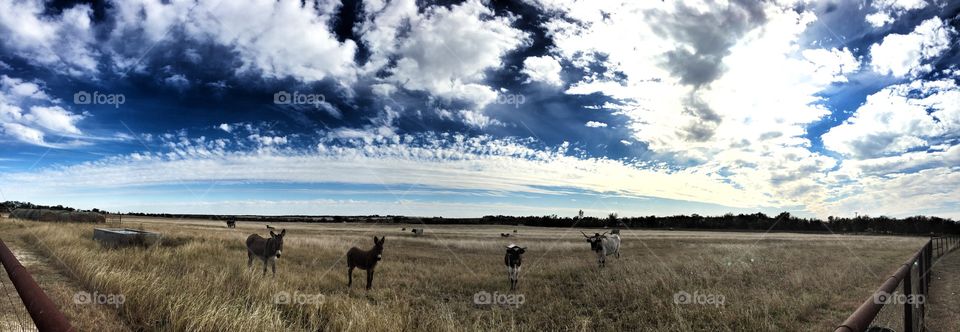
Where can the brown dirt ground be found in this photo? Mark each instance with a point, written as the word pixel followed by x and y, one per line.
pixel 944 301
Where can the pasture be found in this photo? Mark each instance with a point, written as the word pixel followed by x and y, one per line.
pixel 197 278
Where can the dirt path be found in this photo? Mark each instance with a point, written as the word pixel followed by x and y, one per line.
pixel 944 299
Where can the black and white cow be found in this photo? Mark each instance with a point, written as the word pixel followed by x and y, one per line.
pixel 512 260
pixel 604 245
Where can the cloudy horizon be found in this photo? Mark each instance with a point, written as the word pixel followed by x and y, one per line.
pixel 472 108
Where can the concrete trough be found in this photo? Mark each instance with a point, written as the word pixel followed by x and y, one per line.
pixel 119 237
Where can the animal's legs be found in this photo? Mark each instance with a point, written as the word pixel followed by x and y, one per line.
pixel 349 276
pixel 369 278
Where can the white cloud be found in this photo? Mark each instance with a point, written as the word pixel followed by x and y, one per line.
pixel 446 50
pixel 543 69
pixel 478 119
pixel 900 55
pixel 64 42
pixel 899 118
pixel 596 124
pixel 54 118
pixel 226 127
pixel 268 140
pixel 15 90
pixel 899 7
pixel 928 191
pixel 177 81
pixel 878 20
pixel 275 38
pixel 719 114
pixel 41 117
pixel 24 133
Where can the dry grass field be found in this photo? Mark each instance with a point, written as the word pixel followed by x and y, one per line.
pixel 196 279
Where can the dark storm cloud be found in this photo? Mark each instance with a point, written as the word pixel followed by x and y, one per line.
pixel 709 34
pixel 706 38
pixel 707 119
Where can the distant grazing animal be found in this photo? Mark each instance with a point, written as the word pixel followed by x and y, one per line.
pixel 514 231
pixel 267 250
pixel 512 260
pixel 505 234
pixel 604 245
pixel 417 231
pixel 270 227
pixel 231 224
pixel 364 260
pixel 403 229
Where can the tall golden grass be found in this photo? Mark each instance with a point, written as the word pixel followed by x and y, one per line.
pixel 196 279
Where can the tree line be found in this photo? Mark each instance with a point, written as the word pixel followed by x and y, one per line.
pixel 917 225
pixel 9 206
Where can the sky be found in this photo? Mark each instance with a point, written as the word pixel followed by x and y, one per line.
pixel 472 108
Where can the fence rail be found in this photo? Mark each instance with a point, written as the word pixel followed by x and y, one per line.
pixel 913 281
pixel 45 314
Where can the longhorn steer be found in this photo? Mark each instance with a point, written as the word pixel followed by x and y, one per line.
pixel 604 245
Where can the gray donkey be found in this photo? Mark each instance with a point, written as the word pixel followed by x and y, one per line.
pixel 267 250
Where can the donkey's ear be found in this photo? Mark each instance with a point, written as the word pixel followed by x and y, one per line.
pixel 375 241
pixel 272 235
pixel 283 231
pixel 384 238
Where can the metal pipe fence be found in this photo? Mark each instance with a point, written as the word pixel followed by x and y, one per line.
pixel 44 313
pixel 899 303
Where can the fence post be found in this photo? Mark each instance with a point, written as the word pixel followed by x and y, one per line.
pixel 907 306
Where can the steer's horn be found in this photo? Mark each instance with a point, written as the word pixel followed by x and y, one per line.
pixel 584 234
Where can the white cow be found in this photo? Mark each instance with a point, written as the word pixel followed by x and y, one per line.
pixel 604 245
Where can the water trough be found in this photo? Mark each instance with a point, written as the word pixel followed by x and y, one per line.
pixel 119 237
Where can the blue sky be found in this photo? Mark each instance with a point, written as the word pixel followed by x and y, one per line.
pixel 470 108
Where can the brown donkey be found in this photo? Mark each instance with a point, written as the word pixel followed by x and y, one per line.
pixel 267 250
pixel 365 260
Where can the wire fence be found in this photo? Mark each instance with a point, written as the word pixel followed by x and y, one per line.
pixel 900 302
pixel 43 313
pixel 13 315
pixel 113 218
